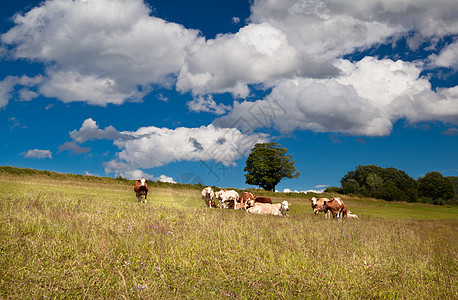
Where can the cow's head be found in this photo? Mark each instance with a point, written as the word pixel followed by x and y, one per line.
pixel 285 205
pixel 313 200
pixel 142 181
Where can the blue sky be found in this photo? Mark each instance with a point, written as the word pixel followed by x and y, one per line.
pixel 181 91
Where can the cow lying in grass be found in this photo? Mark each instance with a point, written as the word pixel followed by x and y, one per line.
pixel 350 215
pixel 141 189
pixel 278 209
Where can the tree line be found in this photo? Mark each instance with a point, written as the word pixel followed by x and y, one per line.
pixel 392 184
pixel 269 163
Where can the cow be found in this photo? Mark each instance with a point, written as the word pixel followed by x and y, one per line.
pixel 278 209
pixel 245 196
pixel 141 188
pixel 208 195
pixel 263 200
pixel 351 215
pixel 225 195
pixel 318 205
pixel 337 207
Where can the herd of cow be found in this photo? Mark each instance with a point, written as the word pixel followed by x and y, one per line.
pixel 258 205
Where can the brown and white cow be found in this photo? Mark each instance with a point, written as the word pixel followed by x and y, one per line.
pixel 278 209
pixel 245 196
pixel 227 195
pixel 208 195
pixel 318 206
pixel 337 207
pixel 141 189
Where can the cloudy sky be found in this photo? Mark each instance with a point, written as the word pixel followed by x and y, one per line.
pixel 181 90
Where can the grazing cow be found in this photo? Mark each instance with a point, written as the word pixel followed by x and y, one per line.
pixel 318 205
pixel 278 209
pixel 263 200
pixel 350 215
pixel 141 188
pixel 208 195
pixel 223 196
pixel 337 207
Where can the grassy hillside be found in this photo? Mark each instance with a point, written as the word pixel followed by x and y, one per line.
pixel 74 237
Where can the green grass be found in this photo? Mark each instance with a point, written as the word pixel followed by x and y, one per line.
pixel 77 238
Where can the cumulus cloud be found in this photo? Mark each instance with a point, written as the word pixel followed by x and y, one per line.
pixel 165 178
pixel 90 131
pixel 121 49
pixel 207 104
pixel 447 58
pixel 258 53
pixel 366 99
pixel 37 153
pixel 151 147
pixel 336 27
pixel 292 46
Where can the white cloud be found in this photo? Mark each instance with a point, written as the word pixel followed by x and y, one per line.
pixel 335 27
pixel 8 84
pixel 119 48
pixel 258 53
pixel 151 147
pixel 90 131
pixel 368 97
pixel 37 153
pixel 448 57
pixel 165 178
pixel 207 104
pixel 235 20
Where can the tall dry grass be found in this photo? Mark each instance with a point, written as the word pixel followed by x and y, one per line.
pixel 91 241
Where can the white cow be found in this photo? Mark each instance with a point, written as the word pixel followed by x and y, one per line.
pixel 278 209
pixel 223 196
pixel 351 215
pixel 208 195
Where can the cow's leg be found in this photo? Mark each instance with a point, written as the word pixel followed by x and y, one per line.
pixel 235 204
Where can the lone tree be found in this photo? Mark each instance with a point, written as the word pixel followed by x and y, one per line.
pixel 268 164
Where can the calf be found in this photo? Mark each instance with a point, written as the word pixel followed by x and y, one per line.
pixel 208 195
pixel 278 209
pixel 350 215
pixel 337 207
pixel 141 188
pixel 318 205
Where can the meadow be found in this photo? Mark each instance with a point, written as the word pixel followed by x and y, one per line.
pixel 80 238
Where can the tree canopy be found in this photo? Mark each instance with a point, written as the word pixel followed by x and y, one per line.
pixel 436 187
pixel 268 164
pixel 383 183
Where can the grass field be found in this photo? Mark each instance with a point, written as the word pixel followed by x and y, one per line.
pixel 77 238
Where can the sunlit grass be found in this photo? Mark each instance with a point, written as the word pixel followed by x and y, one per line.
pixel 92 240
